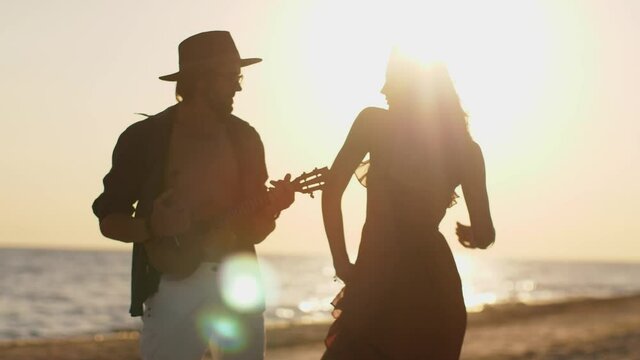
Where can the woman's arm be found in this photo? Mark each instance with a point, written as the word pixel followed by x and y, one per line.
pixel 481 234
pixel 353 151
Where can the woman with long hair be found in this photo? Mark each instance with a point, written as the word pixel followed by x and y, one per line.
pixel 403 296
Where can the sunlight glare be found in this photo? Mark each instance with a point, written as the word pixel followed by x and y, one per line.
pixel 483 50
pixel 240 283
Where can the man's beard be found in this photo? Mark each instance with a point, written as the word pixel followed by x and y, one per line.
pixel 220 107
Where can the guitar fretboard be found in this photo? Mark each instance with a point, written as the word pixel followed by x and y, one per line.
pixel 245 208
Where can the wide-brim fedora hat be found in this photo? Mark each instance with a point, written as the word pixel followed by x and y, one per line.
pixel 207 50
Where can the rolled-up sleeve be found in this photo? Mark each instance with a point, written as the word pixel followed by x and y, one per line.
pixel 255 178
pixel 122 183
pixel 258 182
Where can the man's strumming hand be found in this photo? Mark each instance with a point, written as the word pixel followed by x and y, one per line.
pixel 169 216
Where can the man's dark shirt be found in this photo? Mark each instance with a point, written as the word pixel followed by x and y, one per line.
pixel 137 178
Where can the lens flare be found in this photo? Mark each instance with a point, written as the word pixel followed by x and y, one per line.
pixel 244 292
pixel 241 284
pixel 224 331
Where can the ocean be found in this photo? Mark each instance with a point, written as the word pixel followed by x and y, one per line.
pixel 58 293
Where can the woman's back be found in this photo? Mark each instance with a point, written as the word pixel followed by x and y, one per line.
pixel 406 178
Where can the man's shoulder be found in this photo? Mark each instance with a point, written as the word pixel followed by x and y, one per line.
pixel 150 123
pixel 244 127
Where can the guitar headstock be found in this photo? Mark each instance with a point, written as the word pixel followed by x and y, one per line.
pixel 307 183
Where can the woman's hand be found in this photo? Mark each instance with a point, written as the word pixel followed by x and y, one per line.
pixel 344 271
pixel 468 240
pixel 465 235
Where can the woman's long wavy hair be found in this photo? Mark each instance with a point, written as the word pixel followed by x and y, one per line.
pixel 434 123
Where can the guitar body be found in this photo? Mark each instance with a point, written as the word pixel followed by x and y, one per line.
pixel 178 261
pixel 178 257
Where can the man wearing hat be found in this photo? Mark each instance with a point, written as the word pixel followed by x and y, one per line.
pixel 176 169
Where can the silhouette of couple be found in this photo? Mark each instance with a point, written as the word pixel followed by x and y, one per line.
pixel 175 171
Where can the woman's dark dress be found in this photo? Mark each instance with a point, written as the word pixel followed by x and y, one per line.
pixel 404 300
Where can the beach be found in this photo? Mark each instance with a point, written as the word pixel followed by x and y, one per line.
pixel 577 329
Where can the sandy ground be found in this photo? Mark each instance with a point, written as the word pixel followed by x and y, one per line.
pixel 588 329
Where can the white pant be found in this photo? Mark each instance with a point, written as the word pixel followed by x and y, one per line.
pixel 186 316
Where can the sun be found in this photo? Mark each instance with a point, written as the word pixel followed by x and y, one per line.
pixel 498 63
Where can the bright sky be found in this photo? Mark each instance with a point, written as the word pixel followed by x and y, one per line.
pixel 551 88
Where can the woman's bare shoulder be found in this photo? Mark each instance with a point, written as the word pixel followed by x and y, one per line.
pixel 371 117
pixel 373 114
pixel 372 111
pixel 475 152
pixel 475 158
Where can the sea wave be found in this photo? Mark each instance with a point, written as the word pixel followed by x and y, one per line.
pixel 55 293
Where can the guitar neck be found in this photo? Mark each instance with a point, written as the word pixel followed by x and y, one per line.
pixel 245 208
pixel 306 183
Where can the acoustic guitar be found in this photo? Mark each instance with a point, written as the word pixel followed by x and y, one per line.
pixel 179 256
